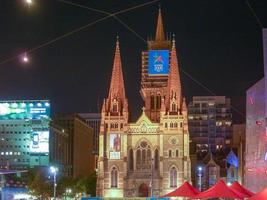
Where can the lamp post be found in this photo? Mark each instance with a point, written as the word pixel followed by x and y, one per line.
pixel 54 171
pixel 199 174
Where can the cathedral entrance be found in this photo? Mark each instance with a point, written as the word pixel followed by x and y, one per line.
pixel 143 190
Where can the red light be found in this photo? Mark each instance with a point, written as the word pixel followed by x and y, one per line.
pixel 259 123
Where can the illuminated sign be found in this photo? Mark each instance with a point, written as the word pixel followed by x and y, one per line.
pixel 158 62
pixel 40 142
pixel 115 146
pixel 24 110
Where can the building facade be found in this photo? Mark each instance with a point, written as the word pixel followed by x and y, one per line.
pixel 210 129
pixel 24 134
pixel 93 120
pixel 149 157
pixel 210 123
pixel 255 161
pixel 59 149
pixel 79 154
pixel 256 115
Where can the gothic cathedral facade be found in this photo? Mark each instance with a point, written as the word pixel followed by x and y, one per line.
pixel 149 157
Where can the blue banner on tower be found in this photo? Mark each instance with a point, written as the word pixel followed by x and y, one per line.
pixel 158 62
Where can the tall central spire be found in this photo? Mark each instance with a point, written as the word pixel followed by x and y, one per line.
pixel 160 36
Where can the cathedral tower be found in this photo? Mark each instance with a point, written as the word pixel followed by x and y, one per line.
pixel 154 80
pixel 114 119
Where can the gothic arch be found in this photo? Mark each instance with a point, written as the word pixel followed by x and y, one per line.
pixel 141 140
pixel 114 176
pixel 173 175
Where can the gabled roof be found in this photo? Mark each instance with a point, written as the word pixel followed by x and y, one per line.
pixel 144 119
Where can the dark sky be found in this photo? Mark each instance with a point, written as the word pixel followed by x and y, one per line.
pixel 219 43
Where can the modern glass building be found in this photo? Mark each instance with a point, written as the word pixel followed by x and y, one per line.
pixel 24 133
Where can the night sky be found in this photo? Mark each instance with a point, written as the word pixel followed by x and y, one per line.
pixel 219 43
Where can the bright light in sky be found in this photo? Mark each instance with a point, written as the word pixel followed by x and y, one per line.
pixel 28 1
pixel 25 58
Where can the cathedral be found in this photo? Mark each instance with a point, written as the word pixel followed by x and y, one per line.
pixel 149 157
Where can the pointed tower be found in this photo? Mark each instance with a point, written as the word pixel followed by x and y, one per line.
pixel 112 138
pixel 160 36
pixel 174 91
pixel 153 86
pixel 116 100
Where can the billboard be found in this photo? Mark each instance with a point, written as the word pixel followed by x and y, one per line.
pixel 114 145
pixel 39 142
pixel 158 62
pixel 24 110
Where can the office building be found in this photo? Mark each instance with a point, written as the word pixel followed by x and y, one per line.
pixel 24 133
pixel 79 157
pixel 93 120
pixel 210 123
pixel 59 149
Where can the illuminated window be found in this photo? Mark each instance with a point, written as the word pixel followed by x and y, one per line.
pixel 114 177
pixel 143 156
pixel 171 125
pixel 173 177
pixel 166 125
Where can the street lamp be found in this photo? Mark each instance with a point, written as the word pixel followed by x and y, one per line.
pixel 54 171
pixel 199 174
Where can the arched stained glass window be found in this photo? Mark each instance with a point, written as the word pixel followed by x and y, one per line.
pixel 173 177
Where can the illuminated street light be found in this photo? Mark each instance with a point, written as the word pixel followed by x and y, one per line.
pixel 54 171
pixel 199 174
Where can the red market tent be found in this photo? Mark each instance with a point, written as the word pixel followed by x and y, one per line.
pixel 236 186
pixel 220 190
pixel 262 195
pixel 185 190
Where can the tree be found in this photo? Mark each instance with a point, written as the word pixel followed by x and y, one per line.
pixel 40 186
pixel 87 185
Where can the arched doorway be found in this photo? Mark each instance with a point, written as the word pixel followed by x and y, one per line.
pixel 143 190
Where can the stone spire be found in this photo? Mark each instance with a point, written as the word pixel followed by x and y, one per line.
pixel 160 36
pixel 174 93
pixel 116 91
